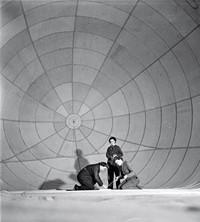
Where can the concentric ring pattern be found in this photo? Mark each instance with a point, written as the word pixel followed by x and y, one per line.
pixel 75 72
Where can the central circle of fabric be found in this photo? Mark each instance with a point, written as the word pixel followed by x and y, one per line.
pixel 73 121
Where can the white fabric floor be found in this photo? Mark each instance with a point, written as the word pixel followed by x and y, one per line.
pixel 158 205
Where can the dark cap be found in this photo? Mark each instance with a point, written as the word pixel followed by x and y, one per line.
pixel 112 138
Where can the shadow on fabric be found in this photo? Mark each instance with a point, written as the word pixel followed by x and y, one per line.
pixel 52 184
pixel 79 164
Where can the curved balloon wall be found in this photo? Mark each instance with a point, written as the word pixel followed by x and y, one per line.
pixel 74 73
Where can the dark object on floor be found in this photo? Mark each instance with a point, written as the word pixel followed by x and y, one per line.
pixel 76 187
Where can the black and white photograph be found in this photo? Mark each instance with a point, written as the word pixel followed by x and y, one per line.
pixel 100 110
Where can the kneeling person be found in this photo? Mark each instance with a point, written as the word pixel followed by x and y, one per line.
pixel 89 176
pixel 131 180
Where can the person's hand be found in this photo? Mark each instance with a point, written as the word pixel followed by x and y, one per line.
pixel 103 186
pixel 113 156
pixel 125 176
pixel 96 187
pixel 117 178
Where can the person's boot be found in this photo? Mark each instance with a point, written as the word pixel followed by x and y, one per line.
pixel 76 187
pixel 139 187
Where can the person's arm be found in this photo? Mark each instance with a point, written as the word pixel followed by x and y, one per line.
pixel 96 175
pixel 108 154
pixel 131 172
pixel 119 152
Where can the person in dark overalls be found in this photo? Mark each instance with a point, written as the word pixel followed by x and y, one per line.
pixel 113 151
pixel 131 180
pixel 89 176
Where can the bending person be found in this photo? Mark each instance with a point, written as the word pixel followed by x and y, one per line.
pixel 131 180
pixel 89 176
pixel 113 151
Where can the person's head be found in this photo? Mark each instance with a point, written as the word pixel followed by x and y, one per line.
pixel 118 161
pixel 112 140
pixel 103 166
